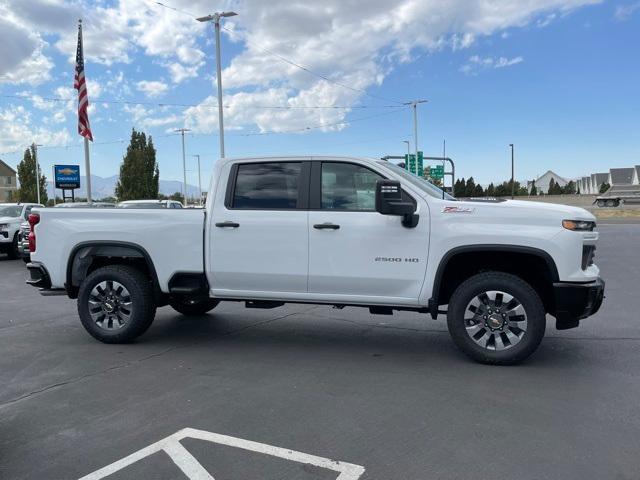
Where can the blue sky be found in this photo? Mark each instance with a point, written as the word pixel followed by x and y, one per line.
pixel 559 79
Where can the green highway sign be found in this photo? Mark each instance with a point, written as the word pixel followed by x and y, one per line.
pixel 414 165
pixel 437 172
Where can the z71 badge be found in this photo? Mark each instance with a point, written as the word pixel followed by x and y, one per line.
pixel 458 210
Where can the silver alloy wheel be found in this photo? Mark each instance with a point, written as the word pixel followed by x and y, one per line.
pixel 110 305
pixel 495 320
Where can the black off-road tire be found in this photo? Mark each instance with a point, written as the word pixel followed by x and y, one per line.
pixel 513 286
pixel 193 308
pixel 142 309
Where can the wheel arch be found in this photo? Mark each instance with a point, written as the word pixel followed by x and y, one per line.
pixel 87 256
pixel 532 264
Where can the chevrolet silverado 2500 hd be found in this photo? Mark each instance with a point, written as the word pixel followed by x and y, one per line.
pixel 328 230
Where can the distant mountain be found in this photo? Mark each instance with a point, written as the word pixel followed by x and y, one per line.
pixel 105 187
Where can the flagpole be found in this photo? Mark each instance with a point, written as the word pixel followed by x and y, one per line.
pixel 87 160
pixel 87 166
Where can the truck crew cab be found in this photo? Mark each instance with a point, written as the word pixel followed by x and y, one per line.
pixel 328 230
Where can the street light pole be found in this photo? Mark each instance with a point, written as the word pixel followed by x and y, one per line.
pixel 199 180
pixel 215 18
pixel 408 147
pixel 184 165
pixel 35 154
pixel 414 104
pixel 513 184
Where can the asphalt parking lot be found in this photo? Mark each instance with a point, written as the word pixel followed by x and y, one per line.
pixel 391 395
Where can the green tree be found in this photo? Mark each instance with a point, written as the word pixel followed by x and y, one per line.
pixel 139 173
pixel 569 188
pixel 460 188
pixel 478 191
pixel 27 178
pixel 177 196
pixel 604 187
pixel 491 190
pixel 554 188
pixel 534 189
pixel 470 188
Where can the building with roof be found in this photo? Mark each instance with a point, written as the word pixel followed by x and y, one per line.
pixel 597 179
pixel 8 183
pixel 585 185
pixel 621 176
pixel 543 181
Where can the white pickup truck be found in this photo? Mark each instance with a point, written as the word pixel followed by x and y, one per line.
pixel 328 230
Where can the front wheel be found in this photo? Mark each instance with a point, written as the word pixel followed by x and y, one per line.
pixel 116 304
pixel 192 307
pixel 496 318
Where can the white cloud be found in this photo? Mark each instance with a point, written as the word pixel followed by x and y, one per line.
pixel 354 43
pixel 477 63
pixel 180 72
pixel 18 130
pixel 152 88
pixel 144 117
pixel 22 59
pixel 624 12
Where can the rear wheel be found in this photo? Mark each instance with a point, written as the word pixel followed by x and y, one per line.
pixel 193 307
pixel 601 203
pixel 612 203
pixel 496 318
pixel 116 304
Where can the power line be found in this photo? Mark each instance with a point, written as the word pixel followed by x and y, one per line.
pixel 251 134
pixel 202 105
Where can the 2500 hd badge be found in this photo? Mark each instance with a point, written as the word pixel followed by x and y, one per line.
pixel 397 259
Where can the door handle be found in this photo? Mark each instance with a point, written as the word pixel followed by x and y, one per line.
pixel 227 224
pixel 326 226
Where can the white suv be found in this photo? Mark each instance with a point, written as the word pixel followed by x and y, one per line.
pixel 11 216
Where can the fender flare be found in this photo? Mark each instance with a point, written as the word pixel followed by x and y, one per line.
pixel 82 255
pixel 444 261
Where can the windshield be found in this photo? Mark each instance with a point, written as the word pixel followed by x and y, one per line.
pixel 141 205
pixel 424 185
pixel 10 210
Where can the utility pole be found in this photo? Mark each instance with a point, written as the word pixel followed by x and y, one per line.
pixel 513 183
pixel 215 18
pixel 408 147
pixel 414 104
pixel 35 154
pixel 184 165
pixel 199 180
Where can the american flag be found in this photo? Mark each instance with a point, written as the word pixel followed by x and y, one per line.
pixel 80 84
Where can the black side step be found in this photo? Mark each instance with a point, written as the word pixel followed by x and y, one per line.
pixel 381 310
pixel 265 304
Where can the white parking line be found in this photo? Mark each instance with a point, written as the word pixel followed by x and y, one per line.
pixel 195 471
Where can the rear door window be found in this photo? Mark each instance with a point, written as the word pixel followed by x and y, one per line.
pixel 272 185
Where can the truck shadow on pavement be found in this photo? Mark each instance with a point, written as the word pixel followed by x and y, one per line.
pixel 316 331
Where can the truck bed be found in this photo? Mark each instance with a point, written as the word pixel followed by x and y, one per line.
pixel 173 235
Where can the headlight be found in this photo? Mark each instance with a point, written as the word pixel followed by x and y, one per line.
pixel 579 225
pixel 4 226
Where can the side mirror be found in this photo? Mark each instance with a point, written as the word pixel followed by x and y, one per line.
pixel 389 202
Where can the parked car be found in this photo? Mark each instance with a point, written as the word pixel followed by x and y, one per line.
pixel 150 204
pixel 23 241
pixel 330 230
pixel 11 216
pixel 85 205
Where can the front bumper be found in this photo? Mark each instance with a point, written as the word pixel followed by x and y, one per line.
pixel 575 301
